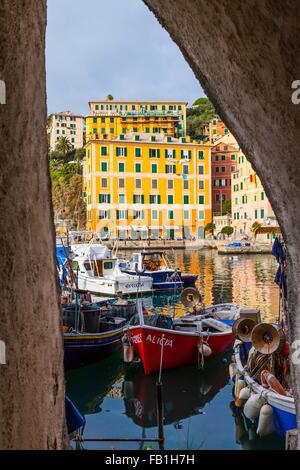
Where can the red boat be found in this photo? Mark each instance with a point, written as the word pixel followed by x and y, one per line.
pixel 165 343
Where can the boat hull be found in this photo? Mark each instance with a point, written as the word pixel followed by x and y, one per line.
pixel 179 348
pixel 82 349
pixel 112 287
pixel 162 280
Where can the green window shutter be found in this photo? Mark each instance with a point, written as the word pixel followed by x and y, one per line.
pixel 134 199
pixel 150 151
pixel 201 199
pixel 125 152
pixel 108 198
pixel 181 153
pixel 262 213
pixel 154 168
pixel 151 199
pixel 143 199
pixel 255 214
pixel 190 154
pixel 137 152
pixel 166 168
pixel 185 199
pixel 158 199
pixel 200 154
pixel 121 167
pixel 118 152
pixel 170 199
pixel 174 153
pixel 166 153
pixel 118 214
pixel 158 153
pixel 262 196
pixel 174 169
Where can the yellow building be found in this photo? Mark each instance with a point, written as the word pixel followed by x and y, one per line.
pixel 215 129
pixel 109 119
pixel 141 184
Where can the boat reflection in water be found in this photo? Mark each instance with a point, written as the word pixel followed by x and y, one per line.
pixel 88 386
pixel 186 391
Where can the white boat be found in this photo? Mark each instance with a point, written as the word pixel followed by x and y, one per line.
pixel 98 272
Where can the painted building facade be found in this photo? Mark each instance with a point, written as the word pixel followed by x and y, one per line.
pixel 215 129
pixel 223 164
pixel 65 125
pixel 109 119
pixel 142 185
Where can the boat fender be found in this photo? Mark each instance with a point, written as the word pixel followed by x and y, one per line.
pixel 205 349
pixel 253 406
pixel 128 349
pixel 270 381
pixel 239 385
pixel 232 371
pixel 66 329
pixel 266 424
pixel 245 393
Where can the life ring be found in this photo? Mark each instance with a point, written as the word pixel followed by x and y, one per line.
pixel 269 380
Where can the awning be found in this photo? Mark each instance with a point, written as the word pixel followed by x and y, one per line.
pixel 268 229
pixel 155 227
pixel 123 227
pixel 139 228
pixel 171 227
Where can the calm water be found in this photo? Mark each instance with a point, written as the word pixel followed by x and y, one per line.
pixel 119 401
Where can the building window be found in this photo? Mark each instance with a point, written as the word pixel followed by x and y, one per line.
pixel 121 183
pixel 104 151
pixel 154 215
pixel 104 198
pixel 201 199
pixel 169 153
pixel 102 130
pixel 262 196
pixel 111 119
pixel 121 167
pixel 186 199
pixel 122 199
pixel 170 169
pixel 104 214
pixel 121 152
pixel 201 215
pixel 223 158
pixel 154 153
pixel 232 169
pixel 255 214
pixel 262 214
pixel 185 169
pixel 138 199
pixel 154 198
pixel 171 215
pixel 170 199
pixel 122 214
pixel 185 184
pixel 217 158
pixel 201 184
pixel 217 169
pixel 138 214
pixel 232 157
pixel 103 166
pixel 201 170
pixel 154 184
pixel 170 184
pixel 138 167
pixel 154 168
pixel 186 215
pixel 104 182
pixel 201 155
pixel 138 183
pixel 138 152
pixel 223 169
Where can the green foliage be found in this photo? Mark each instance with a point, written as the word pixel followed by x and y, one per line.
pixel 226 206
pixel 110 97
pixel 67 185
pixel 199 116
pixel 227 230
pixel 210 227
pixel 63 146
pixel 255 226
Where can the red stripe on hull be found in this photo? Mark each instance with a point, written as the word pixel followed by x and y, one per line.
pixel 178 350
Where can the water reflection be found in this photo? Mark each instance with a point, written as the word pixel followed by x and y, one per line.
pixel 185 392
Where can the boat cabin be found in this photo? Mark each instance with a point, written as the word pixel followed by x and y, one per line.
pixel 149 261
pixel 94 267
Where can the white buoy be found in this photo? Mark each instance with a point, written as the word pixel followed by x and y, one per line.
pixel 253 406
pixel 206 350
pixel 245 393
pixel 266 424
pixel 128 350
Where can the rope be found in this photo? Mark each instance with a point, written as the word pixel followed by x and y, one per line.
pixel 161 357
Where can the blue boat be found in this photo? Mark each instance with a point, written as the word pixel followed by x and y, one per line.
pixel 74 418
pixel 92 332
pixel 153 264
pixel 284 411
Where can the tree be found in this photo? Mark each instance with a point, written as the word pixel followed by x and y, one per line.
pixel 199 116
pixel 109 97
pixel 210 227
pixel 227 230
pixel 226 207
pixel 64 146
pixel 255 226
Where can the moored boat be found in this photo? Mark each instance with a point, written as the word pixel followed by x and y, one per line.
pixel 163 342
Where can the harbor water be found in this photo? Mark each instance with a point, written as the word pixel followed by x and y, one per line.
pixel 118 401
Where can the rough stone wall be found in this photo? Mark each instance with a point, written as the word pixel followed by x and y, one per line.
pixel 246 55
pixel 32 381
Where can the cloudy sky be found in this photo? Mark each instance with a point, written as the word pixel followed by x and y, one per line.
pixel 96 47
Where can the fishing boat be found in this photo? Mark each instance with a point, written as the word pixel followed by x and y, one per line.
pixel 283 406
pixel 163 342
pixel 93 331
pixel 98 272
pixel 154 264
